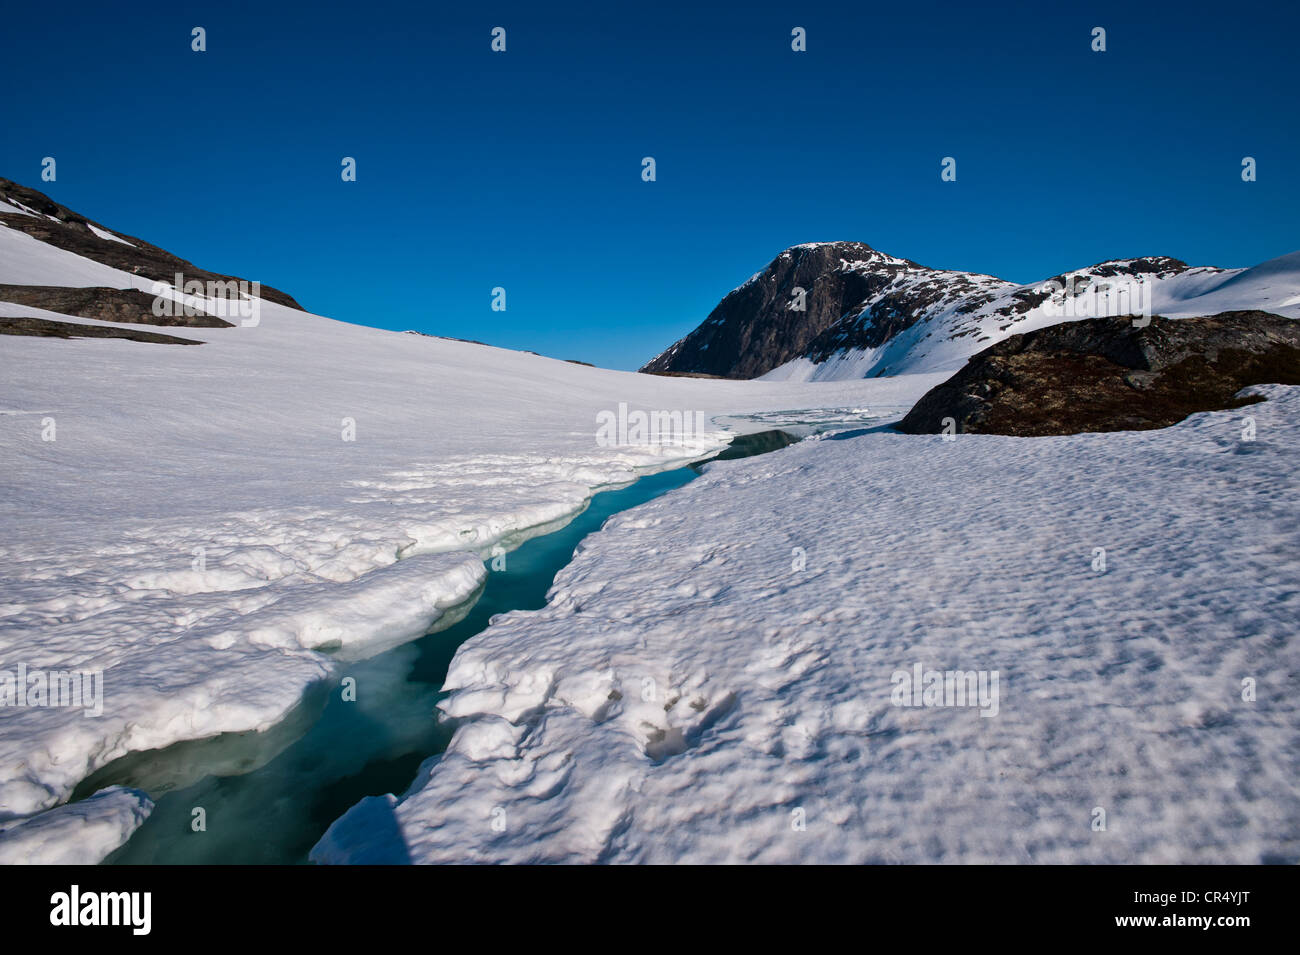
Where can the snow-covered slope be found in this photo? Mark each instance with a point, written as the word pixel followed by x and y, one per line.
pixel 866 313
pixel 716 675
pixel 194 521
pixel 945 334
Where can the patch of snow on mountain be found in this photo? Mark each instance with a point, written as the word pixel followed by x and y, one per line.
pixel 108 235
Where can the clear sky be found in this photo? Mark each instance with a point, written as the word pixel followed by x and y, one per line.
pixel 522 169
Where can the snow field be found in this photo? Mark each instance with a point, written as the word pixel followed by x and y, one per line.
pixel 690 694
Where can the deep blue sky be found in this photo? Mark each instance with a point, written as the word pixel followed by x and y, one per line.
pixel 522 169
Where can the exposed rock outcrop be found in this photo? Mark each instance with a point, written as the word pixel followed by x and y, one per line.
pixel 1105 374
pixel 35 327
pixel 105 304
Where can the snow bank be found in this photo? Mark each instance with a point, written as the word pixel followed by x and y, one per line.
pixel 716 675
pixel 82 833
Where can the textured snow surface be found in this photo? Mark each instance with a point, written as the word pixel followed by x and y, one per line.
pixel 687 689
pixel 201 532
pixel 81 833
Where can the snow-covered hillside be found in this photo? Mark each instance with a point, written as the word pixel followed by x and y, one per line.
pixel 215 526
pixel 829 311
pixel 946 333
pixel 716 677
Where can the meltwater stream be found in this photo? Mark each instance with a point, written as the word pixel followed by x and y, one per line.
pixel 268 798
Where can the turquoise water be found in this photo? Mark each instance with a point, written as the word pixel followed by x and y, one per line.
pixel 269 797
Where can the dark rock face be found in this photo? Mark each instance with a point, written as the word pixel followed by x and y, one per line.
pixel 754 329
pixel 105 304
pixel 71 232
pixel 1103 374
pixel 43 328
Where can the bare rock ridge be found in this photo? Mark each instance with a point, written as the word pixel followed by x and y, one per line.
pixel 1105 374
pixel 46 220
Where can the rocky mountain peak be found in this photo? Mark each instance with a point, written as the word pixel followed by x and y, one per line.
pixel 775 315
